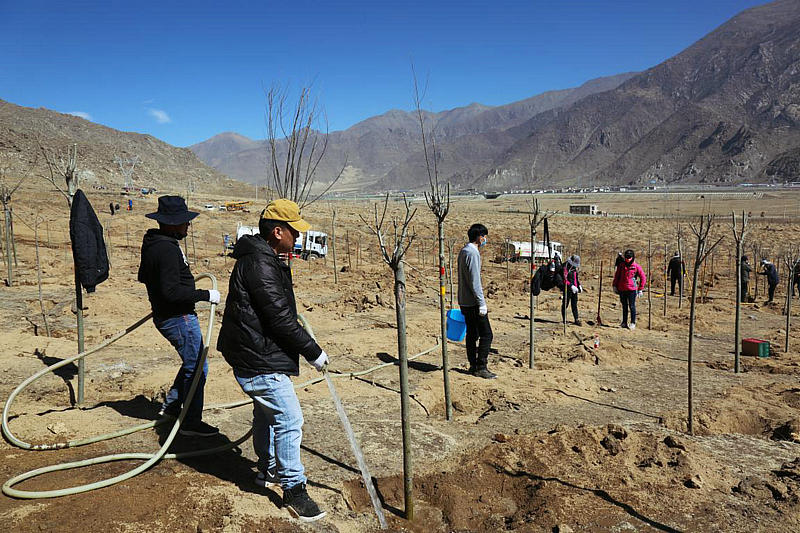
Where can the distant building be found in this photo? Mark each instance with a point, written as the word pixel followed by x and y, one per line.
pixel 583 209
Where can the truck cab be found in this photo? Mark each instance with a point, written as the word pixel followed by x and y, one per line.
pixel 310 245
pixel 521 251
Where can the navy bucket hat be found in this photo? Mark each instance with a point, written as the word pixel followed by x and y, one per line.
pixel 172 211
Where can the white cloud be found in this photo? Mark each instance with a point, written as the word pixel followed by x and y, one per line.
pixel 159 115
pixel 83 114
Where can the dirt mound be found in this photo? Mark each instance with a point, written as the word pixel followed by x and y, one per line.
pixel 589 479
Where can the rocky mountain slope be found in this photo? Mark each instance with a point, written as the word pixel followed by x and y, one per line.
pixel 378 146
pixel 727 109
pixel 23 130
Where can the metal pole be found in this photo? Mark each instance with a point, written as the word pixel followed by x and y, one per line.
pixel 333 246
pixel 443 321
pixel 690 357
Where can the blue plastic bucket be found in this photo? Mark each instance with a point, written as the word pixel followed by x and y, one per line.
pixel 456 326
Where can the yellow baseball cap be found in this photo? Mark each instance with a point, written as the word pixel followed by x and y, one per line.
pixel 285 211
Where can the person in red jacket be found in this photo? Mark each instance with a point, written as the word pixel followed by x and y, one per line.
pixel 629 280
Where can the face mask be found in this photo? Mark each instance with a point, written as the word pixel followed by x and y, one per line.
pixel 483 242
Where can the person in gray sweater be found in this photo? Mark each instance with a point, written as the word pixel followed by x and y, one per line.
pixel 473 304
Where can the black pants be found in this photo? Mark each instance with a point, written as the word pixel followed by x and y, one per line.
pixel 744 290
pixel 628 300
pixel 478 327
pixel 771 292
pixel 673 280
pixel 572 299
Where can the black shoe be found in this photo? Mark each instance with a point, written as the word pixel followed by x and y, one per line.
pixel 484 373
pixel 300 504
pixel 578 322
pixel 198 429
pixel 169 412
pixel 471 370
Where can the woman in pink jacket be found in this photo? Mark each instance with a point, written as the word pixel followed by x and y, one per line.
pixel 629 280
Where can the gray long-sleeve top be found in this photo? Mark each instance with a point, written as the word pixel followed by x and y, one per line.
pixel 470 291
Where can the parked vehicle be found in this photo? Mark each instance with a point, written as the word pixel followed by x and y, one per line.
pixel 310 245
pixel 521 251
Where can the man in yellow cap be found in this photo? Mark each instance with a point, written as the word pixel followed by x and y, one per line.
pixel 262 340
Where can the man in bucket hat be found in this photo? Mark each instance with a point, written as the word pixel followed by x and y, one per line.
pixel 262 340
pixel 164 269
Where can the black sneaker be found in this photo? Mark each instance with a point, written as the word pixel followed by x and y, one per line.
pixel 198 429
pixel 485 374
pixel 169 412
pixel 300 504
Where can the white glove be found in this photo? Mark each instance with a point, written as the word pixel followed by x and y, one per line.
pixel 483 310
pixel 574 289
pixel 638 294
pixel 213 296
pixel 320 362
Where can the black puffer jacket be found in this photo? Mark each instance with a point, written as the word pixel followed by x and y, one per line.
pixel 260 333
pixel 165 271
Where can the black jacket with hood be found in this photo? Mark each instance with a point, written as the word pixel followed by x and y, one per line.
pixel 88 246
pixel 165 271
pixel 260 333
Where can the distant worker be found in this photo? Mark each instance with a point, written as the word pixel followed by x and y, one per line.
pixel 164 269
pixel 262 341
pixel 745 274
pixel 570 296
pixel 473 304
pixel 629 280
pixel 771 272
pixel 676 269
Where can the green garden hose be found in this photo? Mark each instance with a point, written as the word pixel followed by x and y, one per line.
pixel 149 458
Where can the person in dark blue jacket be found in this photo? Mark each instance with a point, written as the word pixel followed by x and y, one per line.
pixel 771 272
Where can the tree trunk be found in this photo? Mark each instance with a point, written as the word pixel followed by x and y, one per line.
pixel 9 247
pixel 443 321
pixel 789 292
pixel 532 329
pixel 737 320
pixel 402 354
pixel 333 247
pixel 649 299
pixel 39 277
pixel 690 356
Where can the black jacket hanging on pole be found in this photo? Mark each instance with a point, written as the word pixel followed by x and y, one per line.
pixel 88 246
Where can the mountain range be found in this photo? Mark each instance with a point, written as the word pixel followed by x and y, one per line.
pixel 725 110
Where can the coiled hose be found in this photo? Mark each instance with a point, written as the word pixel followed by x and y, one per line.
pixel 149 458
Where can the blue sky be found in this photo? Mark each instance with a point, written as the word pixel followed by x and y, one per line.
pixel 185 71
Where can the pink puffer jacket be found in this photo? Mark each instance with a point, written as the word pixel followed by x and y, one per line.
pixel 625 277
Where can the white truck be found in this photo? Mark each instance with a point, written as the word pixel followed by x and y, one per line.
pixel 521 251
pixel 310 245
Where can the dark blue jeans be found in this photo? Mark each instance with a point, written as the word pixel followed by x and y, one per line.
pixel 184 333
pixel 628 299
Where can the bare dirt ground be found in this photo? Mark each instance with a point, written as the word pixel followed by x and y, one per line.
pixel 590 440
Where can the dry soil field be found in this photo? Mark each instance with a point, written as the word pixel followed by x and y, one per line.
pixel 590 440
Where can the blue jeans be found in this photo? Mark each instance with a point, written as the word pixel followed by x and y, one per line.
pixel 628 299
pixel 277 426
pixel 184 333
